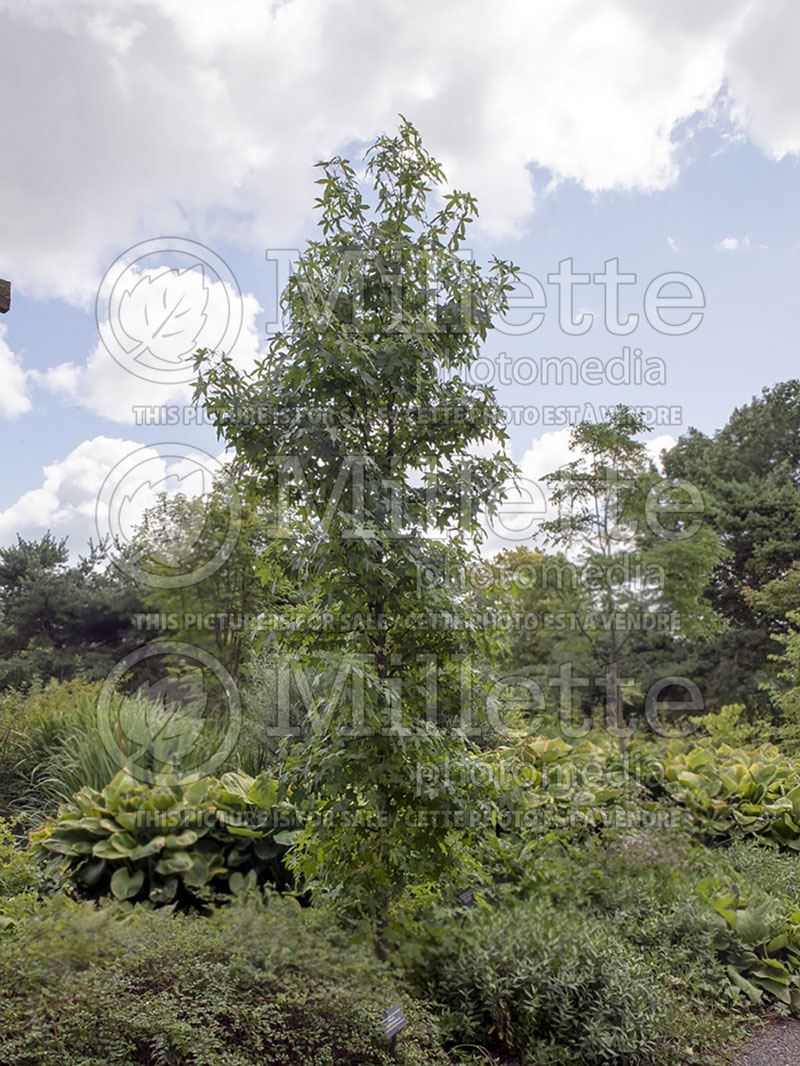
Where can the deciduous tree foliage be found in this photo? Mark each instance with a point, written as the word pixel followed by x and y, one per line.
pixel 361 425
pixel 645 552
pixel 749 472
pixel 217 612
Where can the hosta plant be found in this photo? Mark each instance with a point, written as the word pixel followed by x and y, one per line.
pixel 585 784
pixel 176 843
pixel 733 793
pixel 759 945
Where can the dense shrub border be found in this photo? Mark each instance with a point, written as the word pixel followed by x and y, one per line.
pixel 272 985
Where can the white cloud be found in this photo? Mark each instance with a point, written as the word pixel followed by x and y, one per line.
pixel 106 387
pixel 13 382
pixel 656 445
pixel 78 491
pixel 65 502
pixel 732 244
pixel 547 453
pixel 520 516
pixel 673 243
pixel 144 117
pixel 764 75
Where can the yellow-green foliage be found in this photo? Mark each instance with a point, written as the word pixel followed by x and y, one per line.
pixel 549 783
pixel 733 792
pixel 730 726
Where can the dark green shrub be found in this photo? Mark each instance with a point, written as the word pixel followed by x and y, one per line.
pixel 181 842
pixel 250 985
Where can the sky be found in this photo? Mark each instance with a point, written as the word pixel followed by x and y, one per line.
pixel 157 166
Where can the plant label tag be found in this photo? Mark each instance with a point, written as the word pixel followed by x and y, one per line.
pixel 393 1021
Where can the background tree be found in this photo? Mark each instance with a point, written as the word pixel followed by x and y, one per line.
pixel 531 597
pixel 783 686
pixel 642 557
pixel 372 441
pixel 216 613
pixel 749 472
pixel 57 619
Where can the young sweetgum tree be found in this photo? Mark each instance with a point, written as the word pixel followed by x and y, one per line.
pixel 361 427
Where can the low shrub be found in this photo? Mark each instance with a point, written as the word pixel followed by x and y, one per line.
pixel 19 878
pixel 251 984
pixel 605 953
pixel 764 869
pixel 710 927
pixel 558 986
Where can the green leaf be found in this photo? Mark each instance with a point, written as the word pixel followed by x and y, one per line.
pixel 92 872
pixel 165 892
pixel 287 837
pixel 123 842
pixel 752 925
pixel 174 863
pixel 60 846
pixel 183 840
pixel 778 989
pixel 104 849
pixel 152 847
pixel 125 885
pixel 200 873
pixel 754 994
pixel 196 792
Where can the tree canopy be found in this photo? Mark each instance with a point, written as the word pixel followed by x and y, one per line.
pixel 372 440
pixel 749 473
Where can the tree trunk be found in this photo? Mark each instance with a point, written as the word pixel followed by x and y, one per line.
pixel 619 713
pixel 379 937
